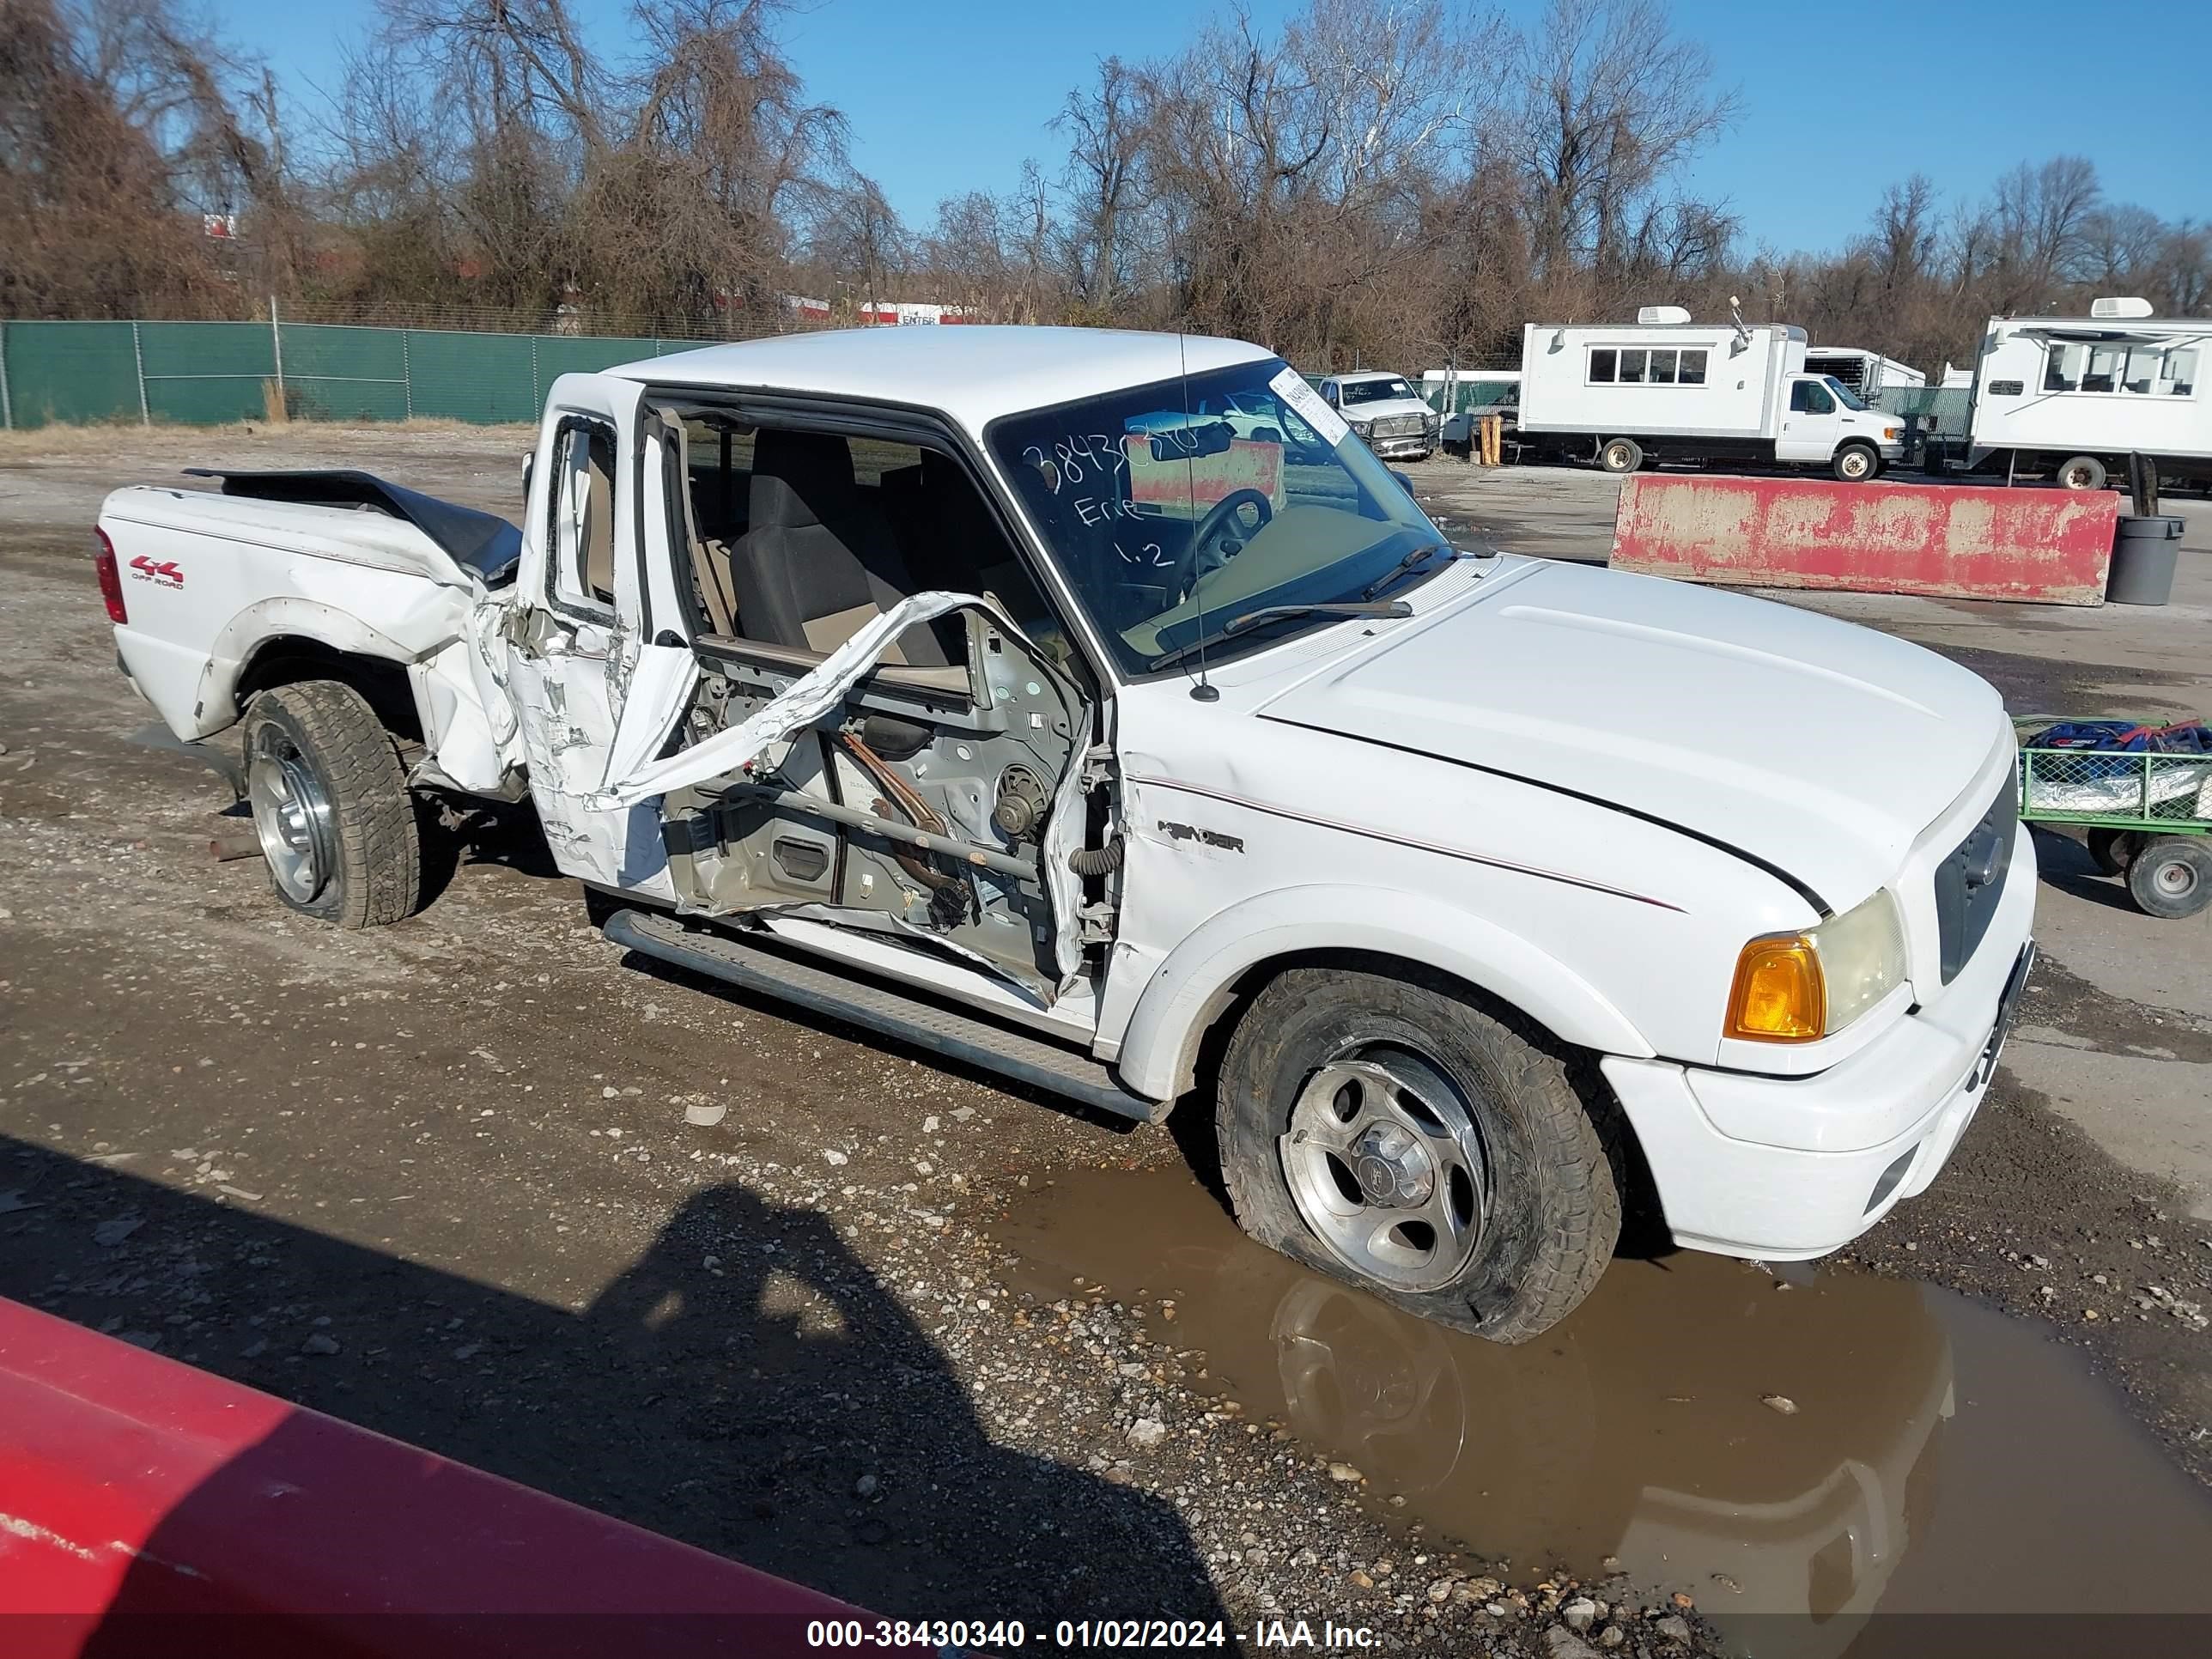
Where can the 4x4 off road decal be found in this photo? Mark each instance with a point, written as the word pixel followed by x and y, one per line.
pixel 166 573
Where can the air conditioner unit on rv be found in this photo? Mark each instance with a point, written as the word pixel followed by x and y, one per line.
pixel 2118 307
pixel 1661 316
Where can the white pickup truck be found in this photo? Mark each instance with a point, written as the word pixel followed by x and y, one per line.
pixel 996 691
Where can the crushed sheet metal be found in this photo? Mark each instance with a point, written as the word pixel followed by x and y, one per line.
pixel 811 697
pixel 1938 541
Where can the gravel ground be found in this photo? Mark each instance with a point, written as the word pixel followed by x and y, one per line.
pixel 439 1179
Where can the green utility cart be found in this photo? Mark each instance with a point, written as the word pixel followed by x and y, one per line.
pixel 2149 814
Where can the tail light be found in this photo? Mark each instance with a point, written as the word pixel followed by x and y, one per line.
pixel 111 579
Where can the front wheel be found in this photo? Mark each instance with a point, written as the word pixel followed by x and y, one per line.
pixel 331 805
pixel 1390 1133
pixel 1857 463
pixel 2171 876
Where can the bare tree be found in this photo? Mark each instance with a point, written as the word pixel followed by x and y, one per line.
pixel 1611 104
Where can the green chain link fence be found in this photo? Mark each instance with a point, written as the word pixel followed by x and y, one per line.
pixel 209 374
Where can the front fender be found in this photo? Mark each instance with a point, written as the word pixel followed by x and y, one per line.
pixel 1158 1048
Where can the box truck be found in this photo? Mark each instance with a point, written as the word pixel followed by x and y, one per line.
pixel 1864 372
pixel 1666 389
pixel 2071 397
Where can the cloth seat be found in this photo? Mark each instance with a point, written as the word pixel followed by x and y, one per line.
pixel 818 558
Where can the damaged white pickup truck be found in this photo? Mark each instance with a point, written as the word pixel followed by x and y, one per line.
pixel 1093 709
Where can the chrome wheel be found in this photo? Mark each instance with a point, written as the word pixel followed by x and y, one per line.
pixel 291 816
pixel 1386 1166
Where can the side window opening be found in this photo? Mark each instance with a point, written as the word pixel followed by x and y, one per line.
pixel 1810 397
pixel 797 538
pixel 1603 362
pixel 582 537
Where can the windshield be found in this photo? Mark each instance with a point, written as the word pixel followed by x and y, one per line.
pixel 1373 391
pixel 1173 509
pixel 1849 399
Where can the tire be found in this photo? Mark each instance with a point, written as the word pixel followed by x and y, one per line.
pixel 2171 876
pixel 2080 472
pixel 1857 463
pixel 1620 455
pixel 2111 850
pixel 331 806
pixel 1525 1184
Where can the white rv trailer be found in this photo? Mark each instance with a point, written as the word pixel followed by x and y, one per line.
pixel 1865 372
pixel 2071 398
pixel 1664 388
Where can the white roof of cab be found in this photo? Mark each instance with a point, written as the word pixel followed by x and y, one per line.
pixel 973 374
pixel 1369 375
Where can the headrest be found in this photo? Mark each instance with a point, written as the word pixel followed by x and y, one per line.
pixel 800 478
pixel 776 505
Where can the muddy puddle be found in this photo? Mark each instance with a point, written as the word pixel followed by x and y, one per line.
pixel 1940 1457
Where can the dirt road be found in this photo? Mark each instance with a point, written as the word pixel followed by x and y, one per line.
pixel 895 1332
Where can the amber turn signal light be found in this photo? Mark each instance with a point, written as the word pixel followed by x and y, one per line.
pixel 1779 994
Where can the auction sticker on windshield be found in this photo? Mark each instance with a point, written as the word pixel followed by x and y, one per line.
pixel 1291 386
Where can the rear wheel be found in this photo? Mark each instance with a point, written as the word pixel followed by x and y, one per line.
pixel 2110 849
pixel 1857 463
pixel 1393 1134
pixel 1620 455
pixel 2082 472
pixel 331 805
pixel 2171 876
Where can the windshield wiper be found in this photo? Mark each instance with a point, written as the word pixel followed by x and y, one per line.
pixel 1243 620
pixel 1420 556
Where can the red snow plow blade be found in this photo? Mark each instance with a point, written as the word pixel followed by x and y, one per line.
pixel 148 1508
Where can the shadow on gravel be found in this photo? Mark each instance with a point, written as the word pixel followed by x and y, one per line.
pixel 2064 863
pixel 746 1386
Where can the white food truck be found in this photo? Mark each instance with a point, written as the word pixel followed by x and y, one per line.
pixel 1664 388
pixel 2071 397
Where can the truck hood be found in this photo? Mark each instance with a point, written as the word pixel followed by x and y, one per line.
pixel 1815 746
pixel 1388 409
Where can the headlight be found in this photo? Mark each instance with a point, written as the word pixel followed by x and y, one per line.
pixel 1800 987
pixel 1889 434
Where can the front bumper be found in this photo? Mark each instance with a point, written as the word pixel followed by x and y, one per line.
pixel 1411 446
pixel 1784 1169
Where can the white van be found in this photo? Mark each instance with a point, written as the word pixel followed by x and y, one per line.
pixel 1664 388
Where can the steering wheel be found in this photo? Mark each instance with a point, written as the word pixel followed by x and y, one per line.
pixel 1215 527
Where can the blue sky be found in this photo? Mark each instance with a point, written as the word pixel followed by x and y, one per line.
pixel 948 97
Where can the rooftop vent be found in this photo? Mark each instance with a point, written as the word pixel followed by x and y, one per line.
pixel 1661 316
pixel 2119 308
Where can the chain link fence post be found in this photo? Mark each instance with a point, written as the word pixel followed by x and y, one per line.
pixel 138 367
pixel 406 377
pixel 276 345
pixel 6 404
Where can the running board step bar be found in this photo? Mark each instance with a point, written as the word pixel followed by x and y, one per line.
pixel 976 1042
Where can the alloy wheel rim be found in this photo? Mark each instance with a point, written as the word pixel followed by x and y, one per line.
pixel 291 817
pixel 1386 1168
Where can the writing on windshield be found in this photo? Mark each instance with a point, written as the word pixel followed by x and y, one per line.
pixel 1168 504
